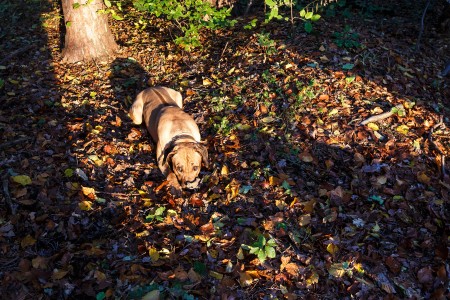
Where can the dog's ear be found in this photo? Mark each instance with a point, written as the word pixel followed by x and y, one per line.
pixel 201 149
pixel 168 157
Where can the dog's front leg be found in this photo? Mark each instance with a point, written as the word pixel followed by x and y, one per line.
pixel 175 187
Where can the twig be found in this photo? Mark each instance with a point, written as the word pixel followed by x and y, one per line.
pixel 15 53
pixel 382 116
pixel 12 206
pixel 422 25
pixel 438 125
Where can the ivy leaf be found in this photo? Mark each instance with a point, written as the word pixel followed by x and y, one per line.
pixel 309 15
pixel 107 3
pixel 75 6
pixel 302 13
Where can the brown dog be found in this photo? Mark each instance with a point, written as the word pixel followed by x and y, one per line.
pixel 178 149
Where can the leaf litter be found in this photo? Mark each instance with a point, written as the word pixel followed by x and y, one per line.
pixel 301 200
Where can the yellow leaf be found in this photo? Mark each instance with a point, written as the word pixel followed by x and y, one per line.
pixel 59 274
pixel 332 249
pixel 358 267
pixel 215 275
pixel 154 254
pixel 206 81
pixel 85 205
pixel 224 170
pixel 22 179
pixel 373 126
pixel 89 192
pixel 142 234
pixel 313 279
pixel 27 241
pixel 403 129
pixel 423 178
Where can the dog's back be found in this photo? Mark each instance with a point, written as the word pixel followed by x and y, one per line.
pixel 149 104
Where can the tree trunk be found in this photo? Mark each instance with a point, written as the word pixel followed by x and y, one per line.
pixel 88 35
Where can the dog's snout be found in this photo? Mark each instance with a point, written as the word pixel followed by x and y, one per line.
pixel 192 184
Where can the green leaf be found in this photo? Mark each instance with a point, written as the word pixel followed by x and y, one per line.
pixel 68 24
pixel 159 211
pixel 315 17
pixel 117 17
pixel 262 256
pixel 253 250
pixel 350 79
pixel 107 3
pixel 302 13
pixel 68 172
pixel 348 66
pixel 309 15
pixel 76 5
pixel 22 179
pixel 270 252
pixel 271 242
pixel 100 296
pixel 308 27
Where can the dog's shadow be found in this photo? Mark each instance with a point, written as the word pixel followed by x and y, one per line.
pixel 127 78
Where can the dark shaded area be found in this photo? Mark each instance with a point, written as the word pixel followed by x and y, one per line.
pixel 289 162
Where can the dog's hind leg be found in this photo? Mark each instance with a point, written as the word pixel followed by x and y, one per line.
pixel 136 110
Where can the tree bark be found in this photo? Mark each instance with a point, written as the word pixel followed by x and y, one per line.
pixel 88 36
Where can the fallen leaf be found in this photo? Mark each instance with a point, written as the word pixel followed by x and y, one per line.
pixel 22 179
pixel 59 274
pixel 85 205
pixel 403 129
pixel 27 241
pixel 373 126
pixel 152 295
pixel 332 248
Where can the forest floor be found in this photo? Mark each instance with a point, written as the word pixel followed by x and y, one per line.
pixel 300 199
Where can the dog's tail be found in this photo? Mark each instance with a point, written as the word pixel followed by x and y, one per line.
pixel 136 109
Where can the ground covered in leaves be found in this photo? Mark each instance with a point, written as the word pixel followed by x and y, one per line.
pixel 300 200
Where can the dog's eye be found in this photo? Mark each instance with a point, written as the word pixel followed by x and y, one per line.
pixel 195 168
pixel 180 169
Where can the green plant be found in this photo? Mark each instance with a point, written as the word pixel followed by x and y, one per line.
pixel 265 42
pixel 262 248
pixel 189 16
pixel 156 214
pixel 347 38
pixel 309 13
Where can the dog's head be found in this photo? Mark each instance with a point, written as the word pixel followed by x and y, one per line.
pixel 185 160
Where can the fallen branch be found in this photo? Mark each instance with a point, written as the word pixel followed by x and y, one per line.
pixel 15 53
pixel 438 125
pixel 12 206
pixel 12 143
pixel 382 116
